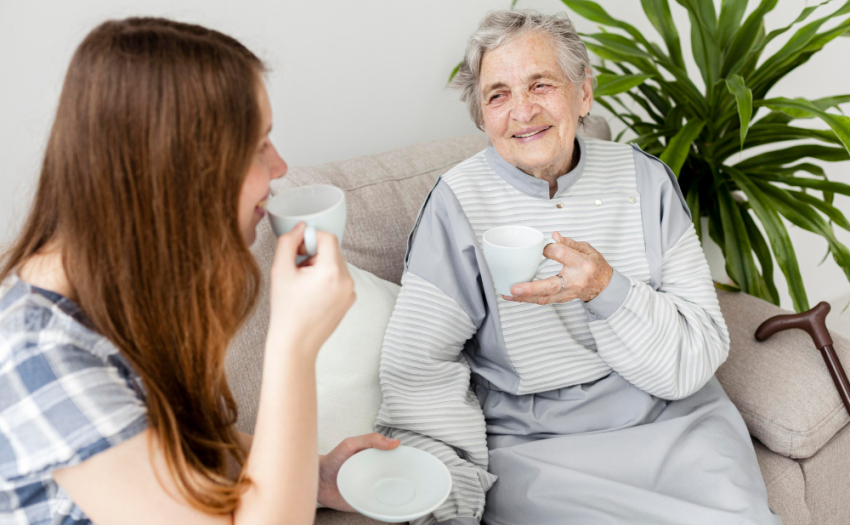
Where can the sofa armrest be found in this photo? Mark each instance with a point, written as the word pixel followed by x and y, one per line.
pixel 786 486
pixel 781 386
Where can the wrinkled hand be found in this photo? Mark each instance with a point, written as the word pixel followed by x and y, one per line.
pixel 586 273
pixel 329 466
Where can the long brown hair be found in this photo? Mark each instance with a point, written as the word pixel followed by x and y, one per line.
pixel 157 125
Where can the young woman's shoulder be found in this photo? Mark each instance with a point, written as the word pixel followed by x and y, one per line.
pixel 66 393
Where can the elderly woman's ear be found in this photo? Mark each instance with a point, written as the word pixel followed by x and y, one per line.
pixel 587 93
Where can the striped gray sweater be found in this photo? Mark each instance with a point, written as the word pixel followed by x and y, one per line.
pixel 658 323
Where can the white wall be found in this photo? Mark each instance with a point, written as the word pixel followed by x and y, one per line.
pixel 348 78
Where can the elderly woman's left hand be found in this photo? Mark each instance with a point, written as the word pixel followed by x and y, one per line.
pixel 586 273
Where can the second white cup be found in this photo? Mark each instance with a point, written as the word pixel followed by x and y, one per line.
pixel 513 254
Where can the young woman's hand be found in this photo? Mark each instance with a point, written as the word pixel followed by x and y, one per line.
pixel 309 301
pixel 329 465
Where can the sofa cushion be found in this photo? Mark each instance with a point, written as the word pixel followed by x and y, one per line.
pixel 782 386
pixel 348 389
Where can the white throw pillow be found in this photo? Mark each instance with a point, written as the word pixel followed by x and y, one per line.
pixel 348 387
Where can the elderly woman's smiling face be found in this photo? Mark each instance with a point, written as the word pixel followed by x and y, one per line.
pixel 530 109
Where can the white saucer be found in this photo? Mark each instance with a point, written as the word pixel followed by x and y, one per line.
pixel 394 485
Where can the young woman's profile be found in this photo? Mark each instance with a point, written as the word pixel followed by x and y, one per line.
pixel 130 276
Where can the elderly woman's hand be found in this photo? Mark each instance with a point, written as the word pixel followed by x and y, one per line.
pixel 586 273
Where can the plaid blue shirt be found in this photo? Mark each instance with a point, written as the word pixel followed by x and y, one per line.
pixel 66 393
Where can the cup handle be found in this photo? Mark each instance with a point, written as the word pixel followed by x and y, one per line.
pixel 310 243
pixel 545 260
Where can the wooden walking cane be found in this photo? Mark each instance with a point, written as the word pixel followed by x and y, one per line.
pixel 813 322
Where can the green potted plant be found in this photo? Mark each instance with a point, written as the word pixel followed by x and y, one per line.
pixel 699 133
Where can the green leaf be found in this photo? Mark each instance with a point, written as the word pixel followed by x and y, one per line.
pixel 801 182
pixel 706 49
pixel 680 145
pixel 821 103
pixel 602 102
pixel 683 89
pixel 777 234
pixel 612 85
pixel 802 16
pixel 737 248
pixel 595 13
pixel 775 117
pixel 827 209
pixel 693 203
pixel 793 154
pixel 658 12
pixel 659 119
pixel 454 72
pixel 731 14
pixel 840 124
pixel 797 51
pixel 789 171
pixel 796 43
pixel 744 98
pixel 808 219
pixel 615 55
pixel 727 287
pixel 762 252
pixel 619 43
pixel 655 98
pixel 620 134
pixel 746 67
pixel 744 39
pixel 769 134
pixel 830 102
pixel 808 167
pixel 685 98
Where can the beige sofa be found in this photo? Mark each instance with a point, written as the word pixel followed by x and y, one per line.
pixel 782 388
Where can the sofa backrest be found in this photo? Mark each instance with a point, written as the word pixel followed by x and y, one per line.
pixel 384 193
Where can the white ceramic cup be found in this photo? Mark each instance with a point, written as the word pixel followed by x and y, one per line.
pixel 319 206
pixel 513 255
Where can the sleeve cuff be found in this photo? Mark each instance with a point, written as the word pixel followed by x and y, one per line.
pixel 610 299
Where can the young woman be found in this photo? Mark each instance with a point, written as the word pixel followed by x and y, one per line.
pixel 131 275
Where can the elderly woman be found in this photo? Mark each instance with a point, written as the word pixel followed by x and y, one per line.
pixel 588 396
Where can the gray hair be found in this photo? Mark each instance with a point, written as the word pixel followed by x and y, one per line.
pixel 500 27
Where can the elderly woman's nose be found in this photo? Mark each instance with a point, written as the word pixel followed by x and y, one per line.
pixel 526 109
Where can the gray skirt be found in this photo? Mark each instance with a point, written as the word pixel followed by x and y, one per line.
pixel 606 452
